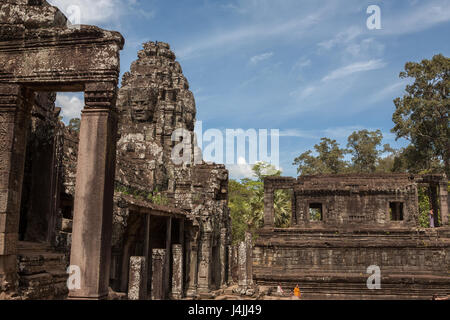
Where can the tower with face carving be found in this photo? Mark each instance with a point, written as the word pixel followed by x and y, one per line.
pixel 153 102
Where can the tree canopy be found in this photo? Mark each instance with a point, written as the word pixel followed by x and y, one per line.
pixel 421 115
pixel 330 159
pixel 364 147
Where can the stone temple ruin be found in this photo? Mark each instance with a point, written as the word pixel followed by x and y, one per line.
pixel 40 55
pixel 109 202
pixel 107 199
pixel 343 224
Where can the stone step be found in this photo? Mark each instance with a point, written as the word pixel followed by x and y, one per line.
pixel 36 258
pixel 42 271
pixel 43 286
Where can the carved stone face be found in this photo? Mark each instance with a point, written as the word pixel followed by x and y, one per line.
pixel 143 104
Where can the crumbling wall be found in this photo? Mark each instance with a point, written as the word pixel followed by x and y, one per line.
pixel 357 199
pixel 333 263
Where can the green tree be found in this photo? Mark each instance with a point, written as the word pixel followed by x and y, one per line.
pixel 329 159
pixel 422 114
pixel 74 124
pixel 264 169
pixel 363 145
pixel 412 160
pixel 246 202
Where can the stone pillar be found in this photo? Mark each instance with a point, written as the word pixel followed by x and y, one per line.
pixel 230 266
pixel 443 202
pixel 235 270
pixel 147 252
pixel 158 266
pixel 177 273
pixel 137 286
pixel 294 218
pixel 223 256
pixel 245 262
pixel 242 265
pixel 168 257
pixel 15 106
pixel 249 257
pixel 192 263
pixel 92 225
pixel 269 211
pixel 204 268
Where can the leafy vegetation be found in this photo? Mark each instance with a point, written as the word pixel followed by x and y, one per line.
pixel 246 202
pixel 422 115
pixel 155 196
pixel 74 124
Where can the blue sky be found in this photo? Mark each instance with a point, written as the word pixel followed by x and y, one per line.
pixel 308 68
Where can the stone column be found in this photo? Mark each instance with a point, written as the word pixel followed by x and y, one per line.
pixel 147 252
pixel 294 219
pixel 137 286
pixel 269 211
pixel 168 257
pixel 92 224
pixel 15 106
pixel 192 263
pixel 158 266
pixel 230 266
pixel 245 261
pixel 177 273
pixel 204 268
pixel 242 265
pixel 249 257
pixel 443 202
pixel 223 256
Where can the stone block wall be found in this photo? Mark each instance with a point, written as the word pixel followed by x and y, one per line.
pixel 357 199
pixel 409 260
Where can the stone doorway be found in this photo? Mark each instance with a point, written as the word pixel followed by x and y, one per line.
pixel 61 59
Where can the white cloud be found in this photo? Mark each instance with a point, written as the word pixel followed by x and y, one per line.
pixel 241 170
pixel 98 11
pixel 389 91
pixel 337 133
pixel 298 134
pixel 366 48
pixel 252 32
pixel 343 37
pixel 304 93
pixel 71 106
pixel 261 57
pixel 341 132
pixel 302 63
pixel 418 19
pixel 334 132
pixel 355 68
